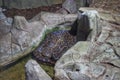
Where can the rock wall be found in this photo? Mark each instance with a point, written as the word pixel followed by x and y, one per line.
pixel 97 59
pixel 22 37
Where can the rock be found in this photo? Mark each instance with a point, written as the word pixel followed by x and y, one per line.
pixel 98 59
pixel 70 6
pixel 77 62
pixel 62 11
pixel 87 26
pixel 35 72
pixel 52 19
pixel 23 37
pixel 2 16
pixel 95 17
pixel 83 28
pixel 94 22
pixel 4 19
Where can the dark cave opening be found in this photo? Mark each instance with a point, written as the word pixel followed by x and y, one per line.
pixel 81 27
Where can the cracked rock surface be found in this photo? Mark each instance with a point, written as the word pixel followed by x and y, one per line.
pixel 32 67
pixel 23 37
pixel 95 59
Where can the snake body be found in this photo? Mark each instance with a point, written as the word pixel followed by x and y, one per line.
pixel 54 46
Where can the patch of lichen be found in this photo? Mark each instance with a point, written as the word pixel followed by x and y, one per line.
pixel 17 70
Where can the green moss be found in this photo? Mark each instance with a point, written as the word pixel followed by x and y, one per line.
pixel 17 70
pixel 49 69
pixel 47 32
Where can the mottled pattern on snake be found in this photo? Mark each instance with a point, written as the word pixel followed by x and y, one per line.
pixel 53 46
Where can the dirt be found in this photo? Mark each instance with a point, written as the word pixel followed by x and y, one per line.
pixel 110 5
pixel 30 13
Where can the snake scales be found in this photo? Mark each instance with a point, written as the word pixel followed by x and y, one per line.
pixel 53 46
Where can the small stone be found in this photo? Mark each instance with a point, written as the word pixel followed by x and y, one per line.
pixel 35 72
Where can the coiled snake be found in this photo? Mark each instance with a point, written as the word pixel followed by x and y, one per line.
pixel 53 46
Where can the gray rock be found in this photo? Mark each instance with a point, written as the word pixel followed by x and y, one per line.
pixel 97 59
pixel 83 28
pixel 35 72
pixel 4 19
pixel 94 22
pixel 2 16
pixel 23 37
pixel 70 6
pixel 62 11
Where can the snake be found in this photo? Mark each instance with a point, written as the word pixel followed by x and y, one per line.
pixel 54 46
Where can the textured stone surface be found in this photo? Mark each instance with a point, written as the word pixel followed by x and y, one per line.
pixel 23 37
pixel 97 59
pixel 83 27
pixel 3 19
pixel 70 6
pixel 35 72
pixel 111 5
pixel 95 18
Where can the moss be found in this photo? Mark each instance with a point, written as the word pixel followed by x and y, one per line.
pixel 17 70
pixel 49 69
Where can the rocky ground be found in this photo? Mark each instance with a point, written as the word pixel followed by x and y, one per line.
pixel 95 59
pixel 110 5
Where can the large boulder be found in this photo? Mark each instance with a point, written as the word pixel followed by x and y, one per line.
pixel 35 72
pixel 96 17
pixel 3 19
pixel 83 27
pixel 98 59
pixel 23 36
pixel 70 6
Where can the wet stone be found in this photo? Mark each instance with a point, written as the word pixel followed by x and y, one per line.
pixel 54 46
